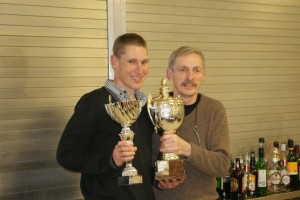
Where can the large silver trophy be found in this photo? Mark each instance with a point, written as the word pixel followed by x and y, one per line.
pixel 126 113
pixel 166 113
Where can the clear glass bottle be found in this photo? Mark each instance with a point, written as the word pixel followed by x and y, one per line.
pixel 246 175
pixel 274 172
pixel 261 165
pixel 285 176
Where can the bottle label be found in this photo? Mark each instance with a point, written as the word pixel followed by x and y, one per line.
pixel 245 182
pixel 234 185
pixel 262 178
pixel 285 179
pixel 292 168
pixel 299 172
pixel 251 182
pixel 275 177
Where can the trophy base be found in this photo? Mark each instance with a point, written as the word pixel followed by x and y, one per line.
pixel 130 180
pixel 169 169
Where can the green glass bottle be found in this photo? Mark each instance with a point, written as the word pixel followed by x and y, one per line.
pixel 261 166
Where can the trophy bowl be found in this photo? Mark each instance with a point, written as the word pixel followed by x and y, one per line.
pixel 126 113
pixel 166 113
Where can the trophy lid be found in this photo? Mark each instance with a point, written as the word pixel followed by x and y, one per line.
pixel 164 94
pixel 164 90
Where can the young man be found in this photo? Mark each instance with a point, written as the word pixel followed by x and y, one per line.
pixel 90 143
pixel 203 137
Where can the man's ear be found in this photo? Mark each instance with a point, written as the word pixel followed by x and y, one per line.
pixel 204 75
pixel 169 73
pixel 114 61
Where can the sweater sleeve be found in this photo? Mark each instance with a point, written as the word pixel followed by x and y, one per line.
pixel 78 150
pixel 213 156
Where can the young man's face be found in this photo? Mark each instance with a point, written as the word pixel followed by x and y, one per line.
pixel 131 68
pixel 187 75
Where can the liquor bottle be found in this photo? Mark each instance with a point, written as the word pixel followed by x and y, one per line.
pixel 252 178
pixel 219 187
pixel 237 181
pixel 226 185
pixel 241 161
pixel 261 165
pixel 292 165
pixel 246 175
pixel 297 151
pixel 223 186
pixel 285 177
pixel 274 172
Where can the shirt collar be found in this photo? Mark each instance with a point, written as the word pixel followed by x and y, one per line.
pixel 122 94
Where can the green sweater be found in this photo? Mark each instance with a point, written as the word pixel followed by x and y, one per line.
pixel 208 160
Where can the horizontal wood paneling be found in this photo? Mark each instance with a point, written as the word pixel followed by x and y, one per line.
pixel 28 41
pixel 59 62
pixel 253 58
pixel 38 102
pixel 51 53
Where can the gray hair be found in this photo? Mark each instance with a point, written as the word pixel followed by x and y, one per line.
pixel 184 50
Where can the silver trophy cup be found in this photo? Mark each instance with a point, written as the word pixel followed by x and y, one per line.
pixel 126 113
pixel 166 113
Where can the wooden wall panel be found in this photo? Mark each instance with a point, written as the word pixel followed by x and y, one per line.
pixel 253 58
pixel 51 53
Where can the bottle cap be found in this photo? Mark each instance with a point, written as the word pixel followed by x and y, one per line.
pixel 297 149
pixel 261 140
pixel 290 143
pixel 283 147
pixel 276 144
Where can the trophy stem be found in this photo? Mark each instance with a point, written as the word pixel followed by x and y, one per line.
pixel 127 135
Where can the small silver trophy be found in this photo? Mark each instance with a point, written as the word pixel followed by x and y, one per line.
pixel 126 113
pixel 166 113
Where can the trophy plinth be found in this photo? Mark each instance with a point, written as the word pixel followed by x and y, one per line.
pixel 166 113
pixel 125 113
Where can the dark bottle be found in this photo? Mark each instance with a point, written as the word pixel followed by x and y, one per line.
pixel 252 178
pixel 261 165
pixel 223 187
pixel 297 151
pixel 274 172
pixel 219 186
pixel 237 182
pixel 292 166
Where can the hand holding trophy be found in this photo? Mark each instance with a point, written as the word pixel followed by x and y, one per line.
pixel 166 113
pixel 126 113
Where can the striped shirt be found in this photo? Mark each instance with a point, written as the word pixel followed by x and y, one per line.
pixel 121 94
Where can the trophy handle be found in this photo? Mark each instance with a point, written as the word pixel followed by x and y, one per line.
pixel 151 110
